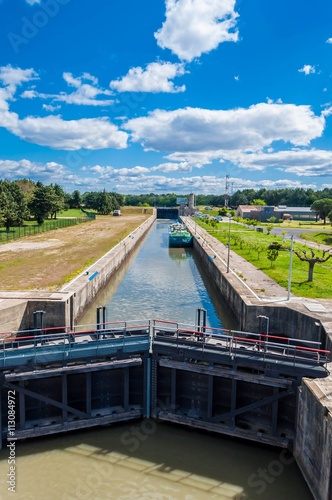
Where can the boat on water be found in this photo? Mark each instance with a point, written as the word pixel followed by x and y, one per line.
pixel 179 236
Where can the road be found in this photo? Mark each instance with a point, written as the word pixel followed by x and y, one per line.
pixel 296 232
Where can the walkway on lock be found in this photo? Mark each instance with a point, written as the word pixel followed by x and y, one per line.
pixel 42 347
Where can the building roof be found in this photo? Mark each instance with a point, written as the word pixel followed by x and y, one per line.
pixel 289 210
pixel 249 208
pixel 280 208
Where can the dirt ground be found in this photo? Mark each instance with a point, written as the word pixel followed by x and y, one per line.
pixel 49 260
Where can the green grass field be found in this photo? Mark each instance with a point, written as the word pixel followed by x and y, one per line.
pixel 253 246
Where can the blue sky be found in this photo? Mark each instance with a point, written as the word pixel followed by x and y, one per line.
pixel 166 96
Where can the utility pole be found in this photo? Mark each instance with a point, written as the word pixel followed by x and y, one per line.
pixel 226 191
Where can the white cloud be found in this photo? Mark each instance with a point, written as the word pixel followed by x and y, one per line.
pixel 85 94
pixel 327 111
pixel 194 27
pixel 207 184
pixel 297 161
pixel 329 40
pixel 53 131
pixel 300 162
pixel 77 82
pixel 307 69
pixel 12 170
pixel 131 180
pixel 112 173
pixel 13 77
pixel 183 166
pixel 196 159
pixel 201 130
pixel 155 78
pixel 50 107
pixel 32 2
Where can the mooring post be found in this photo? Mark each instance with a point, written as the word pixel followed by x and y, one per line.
pixel 148 386
pixel 37 314
pixel 100 324
pixel 201 321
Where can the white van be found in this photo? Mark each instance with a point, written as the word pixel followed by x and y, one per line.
pixel 117 212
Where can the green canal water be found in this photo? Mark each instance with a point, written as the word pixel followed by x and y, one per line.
pixel 145 459
pixel 158 282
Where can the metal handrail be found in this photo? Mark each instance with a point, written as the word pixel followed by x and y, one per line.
pixel 231 341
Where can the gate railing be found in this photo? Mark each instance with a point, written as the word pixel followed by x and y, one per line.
pixel 30 344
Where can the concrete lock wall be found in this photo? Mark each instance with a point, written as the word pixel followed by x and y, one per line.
pixel 312 448
pixel 12 313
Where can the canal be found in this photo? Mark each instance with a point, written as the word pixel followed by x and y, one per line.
pixel 146 459
pixel 158 282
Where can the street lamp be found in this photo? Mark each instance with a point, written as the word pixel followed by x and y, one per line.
pixel 229 241
pixel 290 267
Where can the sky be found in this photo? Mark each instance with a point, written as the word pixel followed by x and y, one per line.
pixel 166 96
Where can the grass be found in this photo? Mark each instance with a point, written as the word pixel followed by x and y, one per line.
pixel 64 218
pixel 72 212
pixel 246 242
pixel 319 238
pixel 70 252
pixel 31 228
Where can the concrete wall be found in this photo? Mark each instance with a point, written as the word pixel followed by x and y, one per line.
pixel 313 450
pixel 12 313
pixel 17 308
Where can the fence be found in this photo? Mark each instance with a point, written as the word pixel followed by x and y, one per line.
pixel 21 232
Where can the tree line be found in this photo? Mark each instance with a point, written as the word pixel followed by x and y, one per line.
pixel 23 200
pixel 298 197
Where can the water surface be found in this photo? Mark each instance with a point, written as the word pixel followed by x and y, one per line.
pixel 158 282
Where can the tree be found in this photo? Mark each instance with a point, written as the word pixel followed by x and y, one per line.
pixel 57 195
pixel 42 202
pixel 272 255
pixel 7 209
pixel 75 199
pixel 258 202
pixel 322 208
pixel 89 200
pixel 105 203
pixel 312 258
pixel 258 247
pixel 269 228
pixel 329 216
pixel 119 199
pixel 13 205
